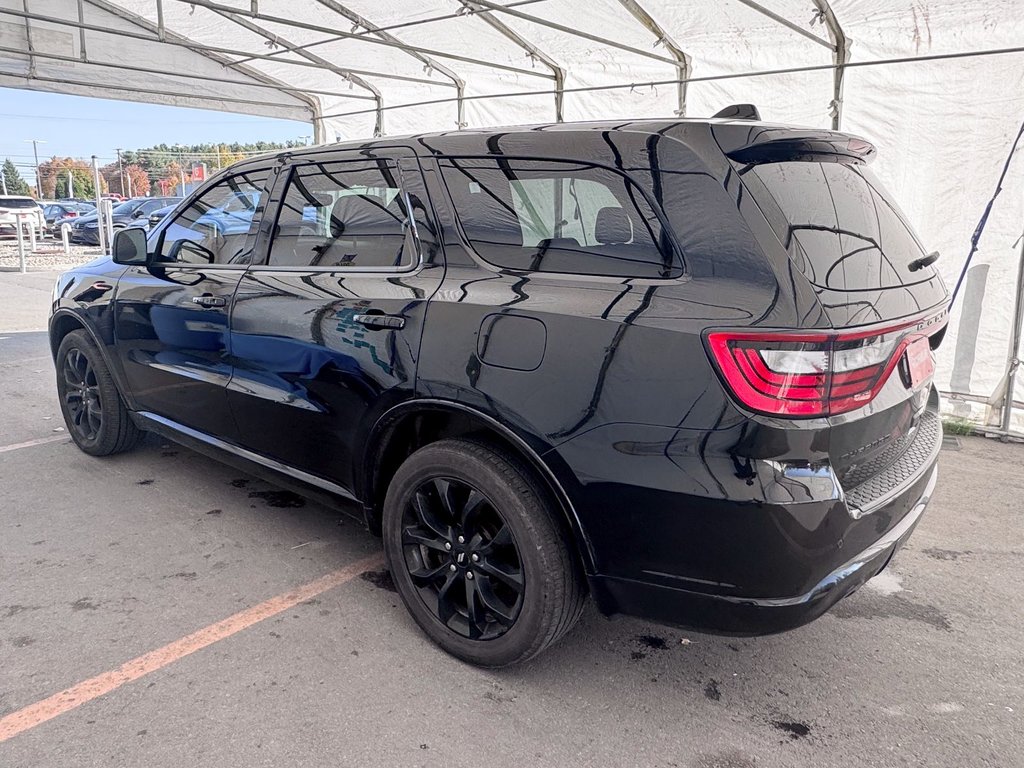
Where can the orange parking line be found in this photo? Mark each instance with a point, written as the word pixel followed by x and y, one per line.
pixel 30 443
pixel 94 687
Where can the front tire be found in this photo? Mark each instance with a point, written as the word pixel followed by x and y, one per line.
pixel 96 418
pixel 477 555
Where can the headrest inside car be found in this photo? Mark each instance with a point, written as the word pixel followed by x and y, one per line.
pixel 613 226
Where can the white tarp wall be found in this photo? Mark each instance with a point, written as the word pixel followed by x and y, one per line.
pixel 943 127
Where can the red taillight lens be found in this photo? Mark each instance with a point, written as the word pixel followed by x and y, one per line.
pixel 803 375
pixel 72 214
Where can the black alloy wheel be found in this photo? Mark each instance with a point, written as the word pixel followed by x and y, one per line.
pixel 463 558
pixel 97 419
pixel 82 400
pixel 479 552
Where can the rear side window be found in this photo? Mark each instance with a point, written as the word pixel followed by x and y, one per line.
pixel 841 227
pixel 343 214
pixel 552 216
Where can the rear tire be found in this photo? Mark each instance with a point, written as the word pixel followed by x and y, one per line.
pixel 477 554
pixel 93 411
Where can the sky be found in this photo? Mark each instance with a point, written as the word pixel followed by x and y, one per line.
pixel 76 126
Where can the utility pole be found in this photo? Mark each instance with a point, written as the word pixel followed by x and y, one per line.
pixel 35 151
pixel 120 171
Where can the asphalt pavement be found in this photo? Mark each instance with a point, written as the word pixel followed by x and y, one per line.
pixel 157 589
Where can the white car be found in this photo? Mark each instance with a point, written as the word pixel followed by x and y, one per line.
pixel 20 207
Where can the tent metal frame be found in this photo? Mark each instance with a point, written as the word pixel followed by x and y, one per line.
pixel 255 21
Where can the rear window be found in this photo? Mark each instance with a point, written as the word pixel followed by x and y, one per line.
pixel 18 202
pixel 840 226
pixel 552 216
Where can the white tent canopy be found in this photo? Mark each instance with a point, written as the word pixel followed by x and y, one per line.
pixel 893 72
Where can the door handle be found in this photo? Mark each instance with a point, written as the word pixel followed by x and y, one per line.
pixel 378 321
pixel 206 300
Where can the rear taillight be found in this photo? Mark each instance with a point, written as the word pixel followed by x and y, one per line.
pixel 808 374
pixel 72 214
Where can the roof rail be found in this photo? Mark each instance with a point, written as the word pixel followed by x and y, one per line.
pixel 738 112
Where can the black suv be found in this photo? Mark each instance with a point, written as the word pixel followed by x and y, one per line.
pixel 683 365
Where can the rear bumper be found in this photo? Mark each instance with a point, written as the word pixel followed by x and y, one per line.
pixel 734 615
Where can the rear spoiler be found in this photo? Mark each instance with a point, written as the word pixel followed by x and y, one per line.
pixel 769 144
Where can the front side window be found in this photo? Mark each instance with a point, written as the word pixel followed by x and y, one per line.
pixel 554 216
pixel 343 214
pixel 216 227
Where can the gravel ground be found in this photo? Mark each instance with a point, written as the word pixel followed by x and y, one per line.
pixel 49 255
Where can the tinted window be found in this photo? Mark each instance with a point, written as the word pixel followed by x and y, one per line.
pixel 218 223
pixel 343 215
pixel 843 230
pixel 551 216
pixel 17 202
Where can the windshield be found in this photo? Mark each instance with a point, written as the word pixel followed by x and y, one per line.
pixel 843 230
pixel 127 206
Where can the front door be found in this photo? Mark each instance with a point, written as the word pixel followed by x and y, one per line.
pixel 325 332
pixel 172 318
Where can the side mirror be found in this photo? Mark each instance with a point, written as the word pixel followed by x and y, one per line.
pixel 137 213
pixel 189 252
pixel 129 247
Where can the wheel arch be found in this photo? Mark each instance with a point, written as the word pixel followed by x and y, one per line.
pixel 413 424
pixel 64 321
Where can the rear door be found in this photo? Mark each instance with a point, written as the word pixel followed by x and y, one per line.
pixel 326 331
pixel 171 319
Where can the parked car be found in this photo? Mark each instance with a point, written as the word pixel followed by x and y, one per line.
pixel 685 366
pixel 58 213
pixel 13 208
pixel 153 219
pixel 85 229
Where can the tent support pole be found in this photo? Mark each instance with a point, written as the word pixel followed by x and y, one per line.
pixel 142 23
pixel 427 61
pixel 81 32
pixel 244 23
pixel 532 50
pixel 684 64
pixel 786 22
pixel 1012 358
pixel 295 23
pixel 841 57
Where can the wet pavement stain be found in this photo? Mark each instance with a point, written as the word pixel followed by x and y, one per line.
pixel 937 553
pixel 653 642
pixel 380 579
pixel 279 499
pixel 14 610
pixel 865 606
pixel 240 482
pixel 84 604
pixel 796 730
pixel 23 641
pixel 711 691
pixel 637 655
pixel 214 511
pixel 186 575
pixel 148 481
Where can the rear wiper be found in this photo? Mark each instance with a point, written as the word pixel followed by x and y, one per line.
pixel 924 261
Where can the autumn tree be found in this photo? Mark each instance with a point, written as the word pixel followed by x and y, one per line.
pixel 13 182
pixel 136 180
pixel 53 178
